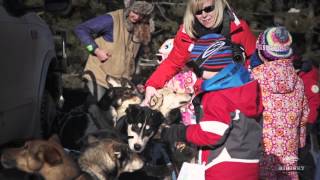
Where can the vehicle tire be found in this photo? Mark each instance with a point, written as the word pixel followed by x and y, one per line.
pixel 48 113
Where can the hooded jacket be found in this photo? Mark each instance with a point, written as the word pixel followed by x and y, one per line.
pixel 284 117
pixel 214 124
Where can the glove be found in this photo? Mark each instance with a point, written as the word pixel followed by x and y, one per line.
pixel 174 133
pixel 255 60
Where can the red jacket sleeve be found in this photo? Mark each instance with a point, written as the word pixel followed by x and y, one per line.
pixel 310 80
pixel 210 129
pixel 174 63
pixel 196 135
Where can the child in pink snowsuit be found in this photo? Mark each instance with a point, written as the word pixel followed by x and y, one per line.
pixel 285 105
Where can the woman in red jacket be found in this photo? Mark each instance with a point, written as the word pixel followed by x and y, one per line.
pixel 229 145
pixel 201 17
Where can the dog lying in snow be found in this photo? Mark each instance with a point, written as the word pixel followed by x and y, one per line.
pixel 46 158
pixel 107 158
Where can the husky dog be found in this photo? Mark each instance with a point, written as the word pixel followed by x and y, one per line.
pixel 116 100
pixel 46 158
pixel 140 124
pixel 107 158
pixel 169 100
pixel 86 119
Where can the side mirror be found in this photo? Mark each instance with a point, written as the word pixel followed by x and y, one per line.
pixel 62 7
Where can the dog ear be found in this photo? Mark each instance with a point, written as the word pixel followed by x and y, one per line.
pixel 54 138
pixel 34 163
pixel 50 155
pixel 110 92
pixel 132 108
pixel 132 111
pixel 120 150
pixel 117 154
pixel 159 117
pixel 92 139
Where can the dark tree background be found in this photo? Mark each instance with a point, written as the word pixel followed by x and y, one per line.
pixel 301 17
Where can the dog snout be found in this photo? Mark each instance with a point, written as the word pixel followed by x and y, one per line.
pixel 7 162
pixel 137 147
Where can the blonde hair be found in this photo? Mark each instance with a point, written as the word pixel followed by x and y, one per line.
pixel 193 6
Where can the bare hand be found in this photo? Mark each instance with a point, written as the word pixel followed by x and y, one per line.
pixel 102 55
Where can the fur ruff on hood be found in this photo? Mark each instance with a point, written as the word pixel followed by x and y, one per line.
pixel 142 30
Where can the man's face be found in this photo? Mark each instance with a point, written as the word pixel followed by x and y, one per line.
pixel 134 17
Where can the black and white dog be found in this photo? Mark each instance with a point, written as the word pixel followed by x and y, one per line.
pixel 140 124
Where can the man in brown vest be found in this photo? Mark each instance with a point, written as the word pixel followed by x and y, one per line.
pixel 119 36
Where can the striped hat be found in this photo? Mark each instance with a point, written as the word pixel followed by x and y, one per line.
pixel 212 52
pixel 274 43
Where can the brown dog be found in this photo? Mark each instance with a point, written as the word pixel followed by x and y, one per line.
pixel 46 158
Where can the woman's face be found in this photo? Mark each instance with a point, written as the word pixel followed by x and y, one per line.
pixel 134 17
pixel 205 15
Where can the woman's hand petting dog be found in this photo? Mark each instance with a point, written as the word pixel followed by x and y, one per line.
pixel 174 133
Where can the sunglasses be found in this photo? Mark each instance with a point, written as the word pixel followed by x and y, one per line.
pixel 206 9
